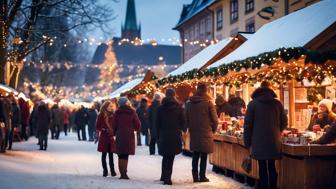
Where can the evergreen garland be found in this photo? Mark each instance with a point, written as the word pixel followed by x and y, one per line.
pixel 256 62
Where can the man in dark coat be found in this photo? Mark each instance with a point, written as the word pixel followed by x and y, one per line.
pixel 15 122
pixel 222 106
pixel 264 121
pixel 42 120
pixel 170 124
pixel 24 110
pixel 202 122
pixel 81 119
pixel 92 117
pixel 142 112
pixel 32 123
pixel 152 111
pixel 57 118
pixel 237 104
pixel 5 122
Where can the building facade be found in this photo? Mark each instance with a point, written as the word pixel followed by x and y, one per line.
pixel 203 21
pixel 196 27
pixel 232 16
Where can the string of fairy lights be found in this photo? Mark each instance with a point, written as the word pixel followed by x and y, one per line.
pixel 94 41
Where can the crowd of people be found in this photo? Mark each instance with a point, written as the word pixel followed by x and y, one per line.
pixel 162 122
pixel 119 124
pixel 14 116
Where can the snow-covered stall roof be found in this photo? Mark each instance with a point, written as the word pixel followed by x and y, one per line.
pixel 126 87
pixel 246 35
pixel 8 89
pixel 294 30
pixel 200 59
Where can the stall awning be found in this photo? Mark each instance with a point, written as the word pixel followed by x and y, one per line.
pixel 8 89
pixel 294 30
pixel 200 59
pixel 124 88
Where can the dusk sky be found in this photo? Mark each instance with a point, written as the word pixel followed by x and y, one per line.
pixel 157 17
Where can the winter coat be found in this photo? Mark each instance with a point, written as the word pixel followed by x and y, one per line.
pixel 142 112
pixel 92 118
pixel 152 115
pixel 16 120
pixel 225 108
pixel 202 122
pixel 125 123
pixel 104 126
pixel 328 137
pixel 66 116
pixel 265 119
pixel 57 116
pixel 170 124
pixel 3 112
pixel 237 104
pixel 81 117
pixel 32 120
pixel 24 110
pixel 322 119
pixel 42 120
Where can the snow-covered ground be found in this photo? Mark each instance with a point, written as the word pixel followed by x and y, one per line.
pixel 69 164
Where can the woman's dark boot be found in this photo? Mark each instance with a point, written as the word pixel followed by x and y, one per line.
pixel 105 172
pixel 195 176
pixel 113 173
pixel 122 163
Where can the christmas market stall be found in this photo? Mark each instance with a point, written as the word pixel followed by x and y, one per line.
pixel 204 58
pixel 8 96
pixel 299 59
pixel 136 88
pixel 179 78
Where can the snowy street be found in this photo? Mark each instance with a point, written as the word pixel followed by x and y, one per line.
pixel 69 164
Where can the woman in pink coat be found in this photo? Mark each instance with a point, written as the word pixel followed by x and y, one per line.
pixel 106 143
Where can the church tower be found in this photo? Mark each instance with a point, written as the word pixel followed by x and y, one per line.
pixel 130 30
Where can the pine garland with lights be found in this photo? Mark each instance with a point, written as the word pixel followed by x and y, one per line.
pixel 257 62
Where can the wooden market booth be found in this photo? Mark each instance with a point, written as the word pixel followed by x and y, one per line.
pixel 290 52
pixel 296 71
pixel 136 88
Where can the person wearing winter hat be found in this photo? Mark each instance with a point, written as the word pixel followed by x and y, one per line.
pixel 324 116
pixel 125 123
pixel 202 121
pixel 152 112
pixel 170 123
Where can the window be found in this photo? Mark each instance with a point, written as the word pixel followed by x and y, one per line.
pixel 197 30
pixel 250 27
pixel 208 25
pixel 202 26
pixel 233 10
pixel 249 6
pixel 219 19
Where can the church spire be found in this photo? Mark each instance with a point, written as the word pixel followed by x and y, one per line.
pixel 131 30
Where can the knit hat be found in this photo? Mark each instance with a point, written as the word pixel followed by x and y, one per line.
pixel 327 103
pixel 170 92
pixel 123 101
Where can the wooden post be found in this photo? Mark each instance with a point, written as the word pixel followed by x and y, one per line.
pixel 291 90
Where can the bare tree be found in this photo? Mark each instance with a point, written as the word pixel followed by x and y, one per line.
pixel 20 35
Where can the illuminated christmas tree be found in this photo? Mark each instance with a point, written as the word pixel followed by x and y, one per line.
pixel 109 75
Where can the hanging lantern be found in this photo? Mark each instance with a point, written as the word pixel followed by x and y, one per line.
pixel 266 13
pixel 17 41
